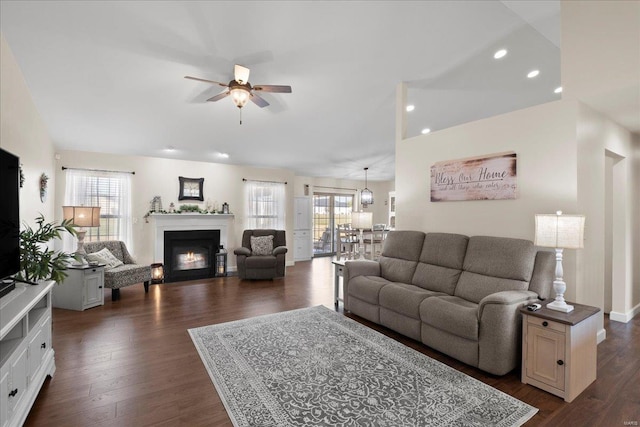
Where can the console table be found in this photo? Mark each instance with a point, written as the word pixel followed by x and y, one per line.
pixel 559 350
pixel 26 355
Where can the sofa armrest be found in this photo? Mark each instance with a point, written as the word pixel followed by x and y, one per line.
pixel 242 251
pixel 506 298
pixel 500 325
pixel 280 250
pixel 360 268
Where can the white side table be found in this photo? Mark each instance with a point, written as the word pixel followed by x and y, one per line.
pixel 338 273
pixel 82 289
pixel 559 350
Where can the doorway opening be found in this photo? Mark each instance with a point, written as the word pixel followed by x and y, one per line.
pixel 329 211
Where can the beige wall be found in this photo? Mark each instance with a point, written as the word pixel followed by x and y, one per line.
pixel 561 148
pixel 600 54
pixel 598 138
pixel 159 177
pixel 223 183
pixel 380 189
pixel 543 138
pixel 23 133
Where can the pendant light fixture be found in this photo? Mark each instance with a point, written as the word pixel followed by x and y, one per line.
pixel 366 195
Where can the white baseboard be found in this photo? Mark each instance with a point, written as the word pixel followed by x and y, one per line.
pixel 624 317
pixel 602 335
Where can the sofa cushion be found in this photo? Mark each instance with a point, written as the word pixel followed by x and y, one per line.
pixel 404 299
pixel 114 246
pixel 543 273
pixel 104 256
pixel 406 245
pixel 444 249
pixel 397 270
pixel 261 245
pixel 125 275
pixel 367 288
pixel 436 278
pixel 451 314
pixel 500 257
pixel 474 287
pixel 257 261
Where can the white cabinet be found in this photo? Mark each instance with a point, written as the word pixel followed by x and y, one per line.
pixel 302 246
pixel 82 289
pixel 302 219
pixel 302 241
pixel 26 355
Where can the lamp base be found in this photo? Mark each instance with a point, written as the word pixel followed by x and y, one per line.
pixel 560 306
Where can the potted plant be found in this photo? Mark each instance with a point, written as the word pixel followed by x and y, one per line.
pixel 37 261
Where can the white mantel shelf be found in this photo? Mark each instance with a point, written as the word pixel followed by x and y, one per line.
pixel 188 221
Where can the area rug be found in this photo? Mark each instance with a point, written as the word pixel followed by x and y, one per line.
pixel 315 367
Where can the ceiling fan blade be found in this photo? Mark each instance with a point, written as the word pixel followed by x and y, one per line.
pixel 273 88
pixel 241 74
pixel 219 96
pixel 260 102
pixel 206 81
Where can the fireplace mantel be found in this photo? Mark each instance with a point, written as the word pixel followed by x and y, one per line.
pixel 187 221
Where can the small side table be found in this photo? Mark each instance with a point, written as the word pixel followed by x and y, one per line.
pixel 338 273
pixel 83 288
pixel 559 350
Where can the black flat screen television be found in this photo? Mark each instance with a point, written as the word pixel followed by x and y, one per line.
pixel 9 214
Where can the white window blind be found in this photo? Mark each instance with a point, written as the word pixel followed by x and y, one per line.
pixel 265 205
pixel 109 190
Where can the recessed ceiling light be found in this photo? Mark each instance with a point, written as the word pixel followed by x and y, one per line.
pixel 170 149
pixel 425 131
pixel 411 108
pixel 533 73
pixel 223 155
pixel 558 90
pixel 500 54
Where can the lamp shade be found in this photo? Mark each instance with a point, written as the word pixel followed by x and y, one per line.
pixel 559 231
pixel 361 220
pixel 82 216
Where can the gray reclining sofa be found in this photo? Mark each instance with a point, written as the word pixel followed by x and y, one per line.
pixel 459 295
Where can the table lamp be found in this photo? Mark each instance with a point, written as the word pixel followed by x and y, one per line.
pixel 560 232
pixel 360 221
pixel 82 216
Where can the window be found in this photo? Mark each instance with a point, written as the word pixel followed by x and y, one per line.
pixel 265 205
pixel 109 190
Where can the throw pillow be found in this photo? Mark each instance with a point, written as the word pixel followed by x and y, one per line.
pixel 104 256
pixel 262 245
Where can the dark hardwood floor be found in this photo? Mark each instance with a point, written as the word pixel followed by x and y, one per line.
pixel 132 363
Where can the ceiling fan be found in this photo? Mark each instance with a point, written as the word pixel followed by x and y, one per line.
pixel 241 90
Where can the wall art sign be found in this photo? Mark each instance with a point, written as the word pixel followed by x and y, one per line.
pixel 191 188
pixel 489 177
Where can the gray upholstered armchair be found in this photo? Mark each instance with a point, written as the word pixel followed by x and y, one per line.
pixel 265 258
pixel 127 274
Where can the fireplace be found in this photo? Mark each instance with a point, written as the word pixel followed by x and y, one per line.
pixel 190 255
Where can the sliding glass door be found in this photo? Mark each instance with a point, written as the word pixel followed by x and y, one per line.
pixel 329 211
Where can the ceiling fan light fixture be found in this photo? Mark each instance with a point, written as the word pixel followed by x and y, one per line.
pixel 240 95
pixel 366 195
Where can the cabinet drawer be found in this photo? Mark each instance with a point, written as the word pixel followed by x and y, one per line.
pixel 547 324
pixel 301 233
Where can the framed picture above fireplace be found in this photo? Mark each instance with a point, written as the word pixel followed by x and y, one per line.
pixel 191 188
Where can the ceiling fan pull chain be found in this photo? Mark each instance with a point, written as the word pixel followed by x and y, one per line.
pixel 240 115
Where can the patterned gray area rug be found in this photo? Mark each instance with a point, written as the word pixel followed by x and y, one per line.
pixel 315 367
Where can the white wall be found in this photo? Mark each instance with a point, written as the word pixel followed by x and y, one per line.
pixel 159 177
pixel 23 133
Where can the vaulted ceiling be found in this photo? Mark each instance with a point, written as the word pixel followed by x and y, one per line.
pixel 108 76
